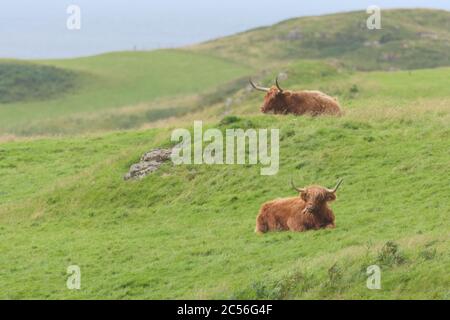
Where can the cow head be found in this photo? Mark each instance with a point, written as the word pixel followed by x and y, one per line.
pixel 316 197
pixel 275 98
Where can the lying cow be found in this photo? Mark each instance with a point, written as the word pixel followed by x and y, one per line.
pixel 307 211
pixel 312 103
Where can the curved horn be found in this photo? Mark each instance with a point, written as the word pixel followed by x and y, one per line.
pixel 295 188
pixel 278 85
pixel 336 187
pixel 258 87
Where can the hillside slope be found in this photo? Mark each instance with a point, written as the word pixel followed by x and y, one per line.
pixel 127 90
pixel 409 39
pixel 108 83
pixel 188 231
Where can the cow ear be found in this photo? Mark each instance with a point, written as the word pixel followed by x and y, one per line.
pixel 331 196
pixel 304 196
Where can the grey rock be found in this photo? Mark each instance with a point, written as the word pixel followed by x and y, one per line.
pixel 157 155
pixel 294 34
pixel 428 35
pixel 282 76
pixel 149 163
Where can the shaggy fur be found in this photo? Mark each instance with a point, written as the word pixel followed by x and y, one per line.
pixel 308 211
pixel 303 102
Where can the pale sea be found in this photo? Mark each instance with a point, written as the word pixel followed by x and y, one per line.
pixel 37 28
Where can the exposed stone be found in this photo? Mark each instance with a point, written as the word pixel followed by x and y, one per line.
pixel 282 76
pixel 372 43
pixel 294 34
pixel 159 155
pixel 389 56
pixel 228 103
pixel 428 35
pixel 150 162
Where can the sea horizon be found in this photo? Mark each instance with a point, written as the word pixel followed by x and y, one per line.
pixel 32 31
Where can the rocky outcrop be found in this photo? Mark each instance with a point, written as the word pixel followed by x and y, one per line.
pixel 150 162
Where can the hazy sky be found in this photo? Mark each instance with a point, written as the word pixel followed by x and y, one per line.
pixel 37 28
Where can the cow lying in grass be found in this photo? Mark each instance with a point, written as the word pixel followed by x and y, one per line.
pixel 307 211
pixel 312 103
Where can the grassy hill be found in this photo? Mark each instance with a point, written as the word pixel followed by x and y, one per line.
pixel 127 90
pixel 27 82
pixel 188 231
pixel 409 39
pixel 109 87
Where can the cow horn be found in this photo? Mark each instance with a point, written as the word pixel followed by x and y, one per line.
pixel 278 85
pixel 295 188
pixel 336 187
pixel 258 87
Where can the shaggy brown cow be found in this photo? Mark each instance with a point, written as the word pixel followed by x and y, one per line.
pixel 308 211
pixel 313 103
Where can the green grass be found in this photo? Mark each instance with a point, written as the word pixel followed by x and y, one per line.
pixel 187 231
pixel 27 82
pixel 129 90
pixel 114 81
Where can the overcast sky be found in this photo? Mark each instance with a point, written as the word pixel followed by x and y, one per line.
pixel 37 28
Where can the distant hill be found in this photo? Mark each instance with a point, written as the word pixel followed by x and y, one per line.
pixel 125 90
pixel 51 96
pixel 409 39
pixel 27 82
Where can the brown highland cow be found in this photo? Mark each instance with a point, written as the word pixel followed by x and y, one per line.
pixel 307 211
pixel 312 103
